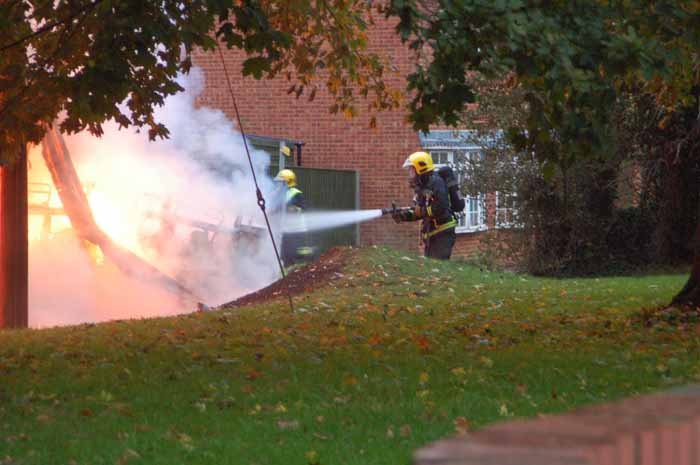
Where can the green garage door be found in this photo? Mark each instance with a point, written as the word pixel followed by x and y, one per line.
pixel 324 189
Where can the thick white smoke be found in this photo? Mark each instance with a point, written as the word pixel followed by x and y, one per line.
pixel 153 198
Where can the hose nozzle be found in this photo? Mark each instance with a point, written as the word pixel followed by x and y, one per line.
pixel 390 211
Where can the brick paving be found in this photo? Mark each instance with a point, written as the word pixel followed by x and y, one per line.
pixel 657 429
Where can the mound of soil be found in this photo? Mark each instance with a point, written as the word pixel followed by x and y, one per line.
pixel 302 280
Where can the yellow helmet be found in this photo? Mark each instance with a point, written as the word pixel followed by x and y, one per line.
pixel 287 176
pixel 421 161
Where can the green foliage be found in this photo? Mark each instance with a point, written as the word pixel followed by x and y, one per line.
pixel 398 352
pixel 630 207
pixel 570 222
pixel 96 60
pixel 570 60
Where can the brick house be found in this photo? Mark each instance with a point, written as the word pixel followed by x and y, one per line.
pixel 333 141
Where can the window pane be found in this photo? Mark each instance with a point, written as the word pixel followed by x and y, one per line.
pixel 441 157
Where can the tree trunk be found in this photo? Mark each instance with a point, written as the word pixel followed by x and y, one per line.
pixel 670 210
pixel 690 294
pixel 14 247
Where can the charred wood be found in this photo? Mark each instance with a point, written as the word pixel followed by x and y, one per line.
pixel 77 208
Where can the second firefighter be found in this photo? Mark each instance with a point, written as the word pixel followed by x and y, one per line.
pixel 295 238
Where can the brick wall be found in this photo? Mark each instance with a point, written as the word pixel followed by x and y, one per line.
pixel 467 244
pixel 659 429
pixel 333 141
pixel 470 243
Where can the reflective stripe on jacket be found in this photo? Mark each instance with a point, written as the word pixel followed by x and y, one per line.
pixel 440 228
pixel 294 199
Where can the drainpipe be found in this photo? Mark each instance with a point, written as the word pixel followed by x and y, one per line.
pixel 299 145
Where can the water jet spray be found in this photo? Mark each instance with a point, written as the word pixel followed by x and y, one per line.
pixel 322 220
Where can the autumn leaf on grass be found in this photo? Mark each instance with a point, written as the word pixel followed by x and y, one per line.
pixel 661 368
pixel 288 425
pixel 312 457
pixel 422 343
pixel 462 425
pixel 127 455
pixel 253 374
pixel 280 407
pixel 504 412
pixel 459 372
pixel 423 378
pixel 255 410
pixel 185 441
pixel 405 431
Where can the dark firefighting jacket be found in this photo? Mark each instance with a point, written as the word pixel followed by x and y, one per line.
pixel 432 205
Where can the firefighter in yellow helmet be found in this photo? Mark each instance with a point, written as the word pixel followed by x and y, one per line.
pixel 431 204
pixel 295 239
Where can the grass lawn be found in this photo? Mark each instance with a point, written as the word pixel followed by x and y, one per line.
pixel 398 352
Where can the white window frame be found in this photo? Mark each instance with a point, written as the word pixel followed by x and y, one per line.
pixel 501 211
pixel 463 225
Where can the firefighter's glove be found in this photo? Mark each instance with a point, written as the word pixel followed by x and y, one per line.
pixel 403 214
pixel 418 211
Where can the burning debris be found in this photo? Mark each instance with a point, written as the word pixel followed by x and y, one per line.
pixel 123 227
pixel 77 208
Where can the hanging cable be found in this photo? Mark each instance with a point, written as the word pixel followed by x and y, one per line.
pixel 258 192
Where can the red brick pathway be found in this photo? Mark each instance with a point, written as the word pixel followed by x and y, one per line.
pixel 658 429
